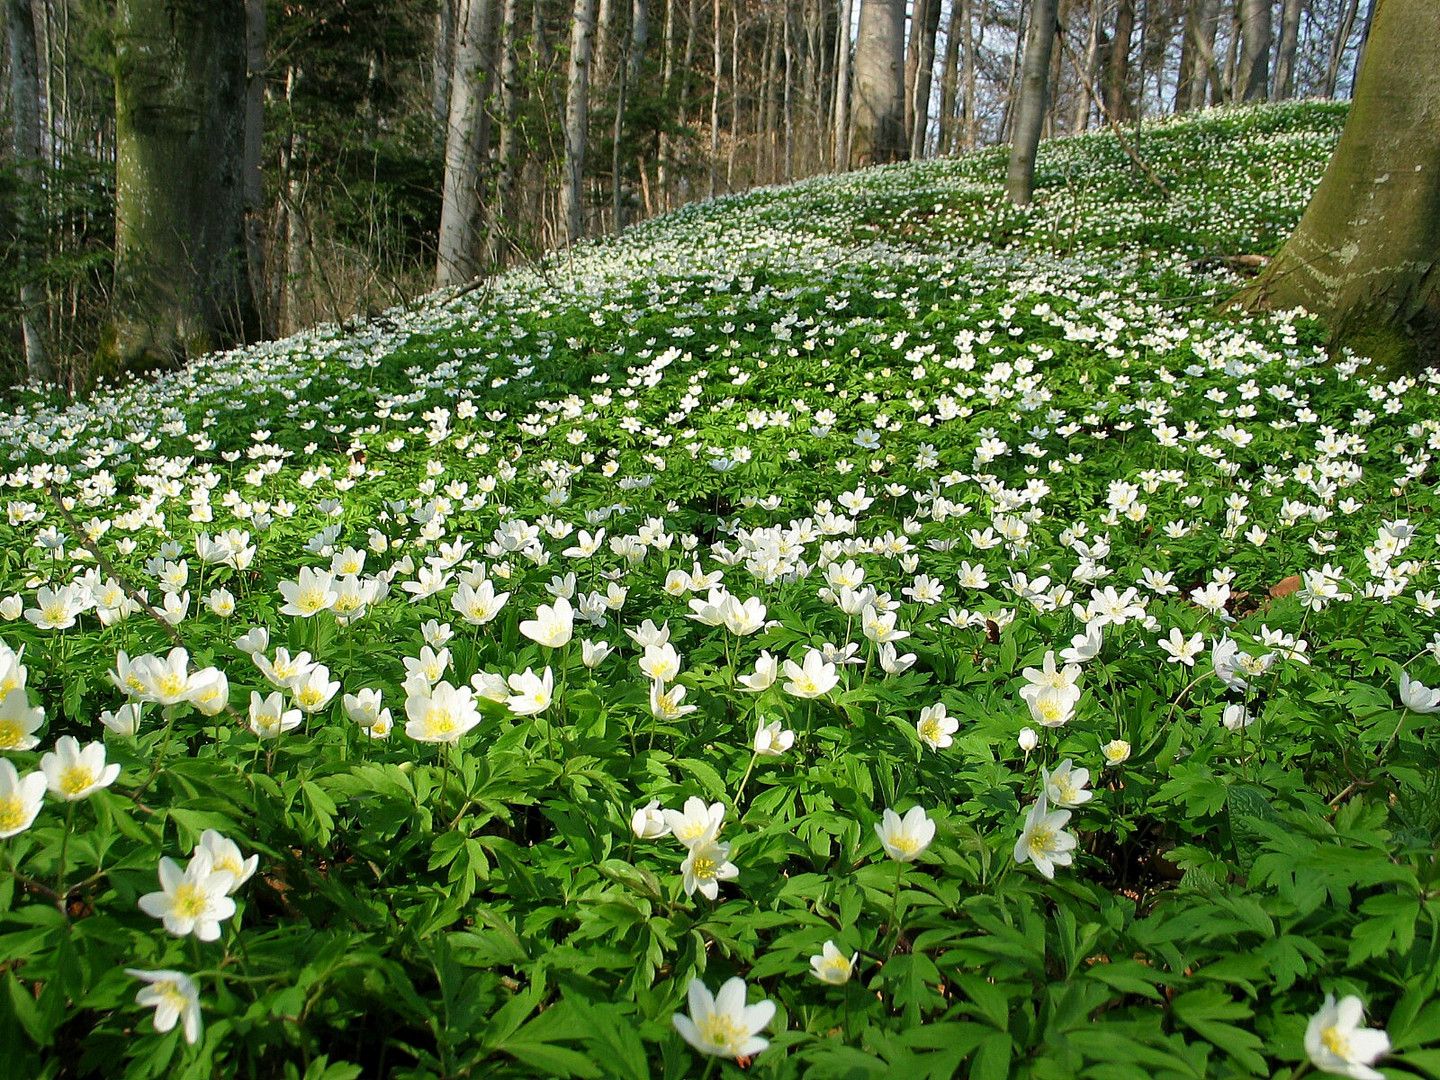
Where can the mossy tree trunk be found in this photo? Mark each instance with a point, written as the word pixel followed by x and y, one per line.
pixel 25 142
pixel 182 286
pixel 1366 255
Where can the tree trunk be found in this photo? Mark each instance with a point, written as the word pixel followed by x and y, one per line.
pixel 577 119
pixel 180 85
pixel 671 99
pixel 971 64
pixel 256 63
pixel 950 74
pixel 1364 41
pixel 1366 255
pixel 842 89
pixel 716 74
pixel 1252 80
pixel 1030 109
pixel 1092 61
pixel 924 79
pixel 25 141
pixel 788 103
pixel 1337 48
pixel 441 61
pixel 1012 82
pixel 1197 55
pixel 879 99
pixel 1117 67
pixel 467 142
pixel 503 212
pixel 639 38
pixel 1285 54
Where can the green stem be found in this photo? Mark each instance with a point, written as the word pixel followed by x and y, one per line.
pixel 159 759
pixel 895 910
pixel 60 892
pixel 739 794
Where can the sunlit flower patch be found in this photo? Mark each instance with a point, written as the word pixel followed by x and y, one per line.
pixel 929 622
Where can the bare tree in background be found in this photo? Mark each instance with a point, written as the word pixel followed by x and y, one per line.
pixel 878 107
pixel 1034 100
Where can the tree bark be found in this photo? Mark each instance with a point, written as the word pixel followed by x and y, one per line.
pixel 1366 254
pixel 1030 109
pixel 878 107
pixel 25 142
pixel 950 73
pixel 924 80
pixel 1252 80
pixel 256 64
pixel 441 62
pixel 1117 67
pixel 1197 56
pixel 181 283
pixel 502 213
pixel 577 119
pixel 842 89
pixel 467 143
pixel 1092 61
pixel 1337 47
pixel 1285 54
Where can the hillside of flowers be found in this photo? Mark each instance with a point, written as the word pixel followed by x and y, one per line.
pixel 859 629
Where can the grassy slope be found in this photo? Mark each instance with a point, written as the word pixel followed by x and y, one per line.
pixel 696 356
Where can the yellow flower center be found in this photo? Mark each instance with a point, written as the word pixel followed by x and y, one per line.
pixel 930 730
pixel 1336 1043
pixel 233 865
pixel 704 868
pixel 439 722
pixel 1041 840
pixel 12 813
pixel 170 685
pixel 720 1031
pixel 905 844
pixel 10 734
pixel 310 601
pixel 77 778
pixel 190 901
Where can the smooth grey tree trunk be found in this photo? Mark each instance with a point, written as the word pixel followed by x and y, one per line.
pixel 1198 68
pixel 842 88
pixel 1117 67
pixel 924 79
pixel 25 142
pixel 180 84
pixel 1284 88
pixel 577 119
pixel 716 73
pixel 878 106
pixel 950 74
pixel 1252 77
pixel 506 153
pixel 442 60
pixel 1337 47
pixel 467 144
pixel 1081 120
pixel 1366 254
pixel 1034 100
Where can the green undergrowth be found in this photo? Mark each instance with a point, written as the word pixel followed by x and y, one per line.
pixel 780 513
